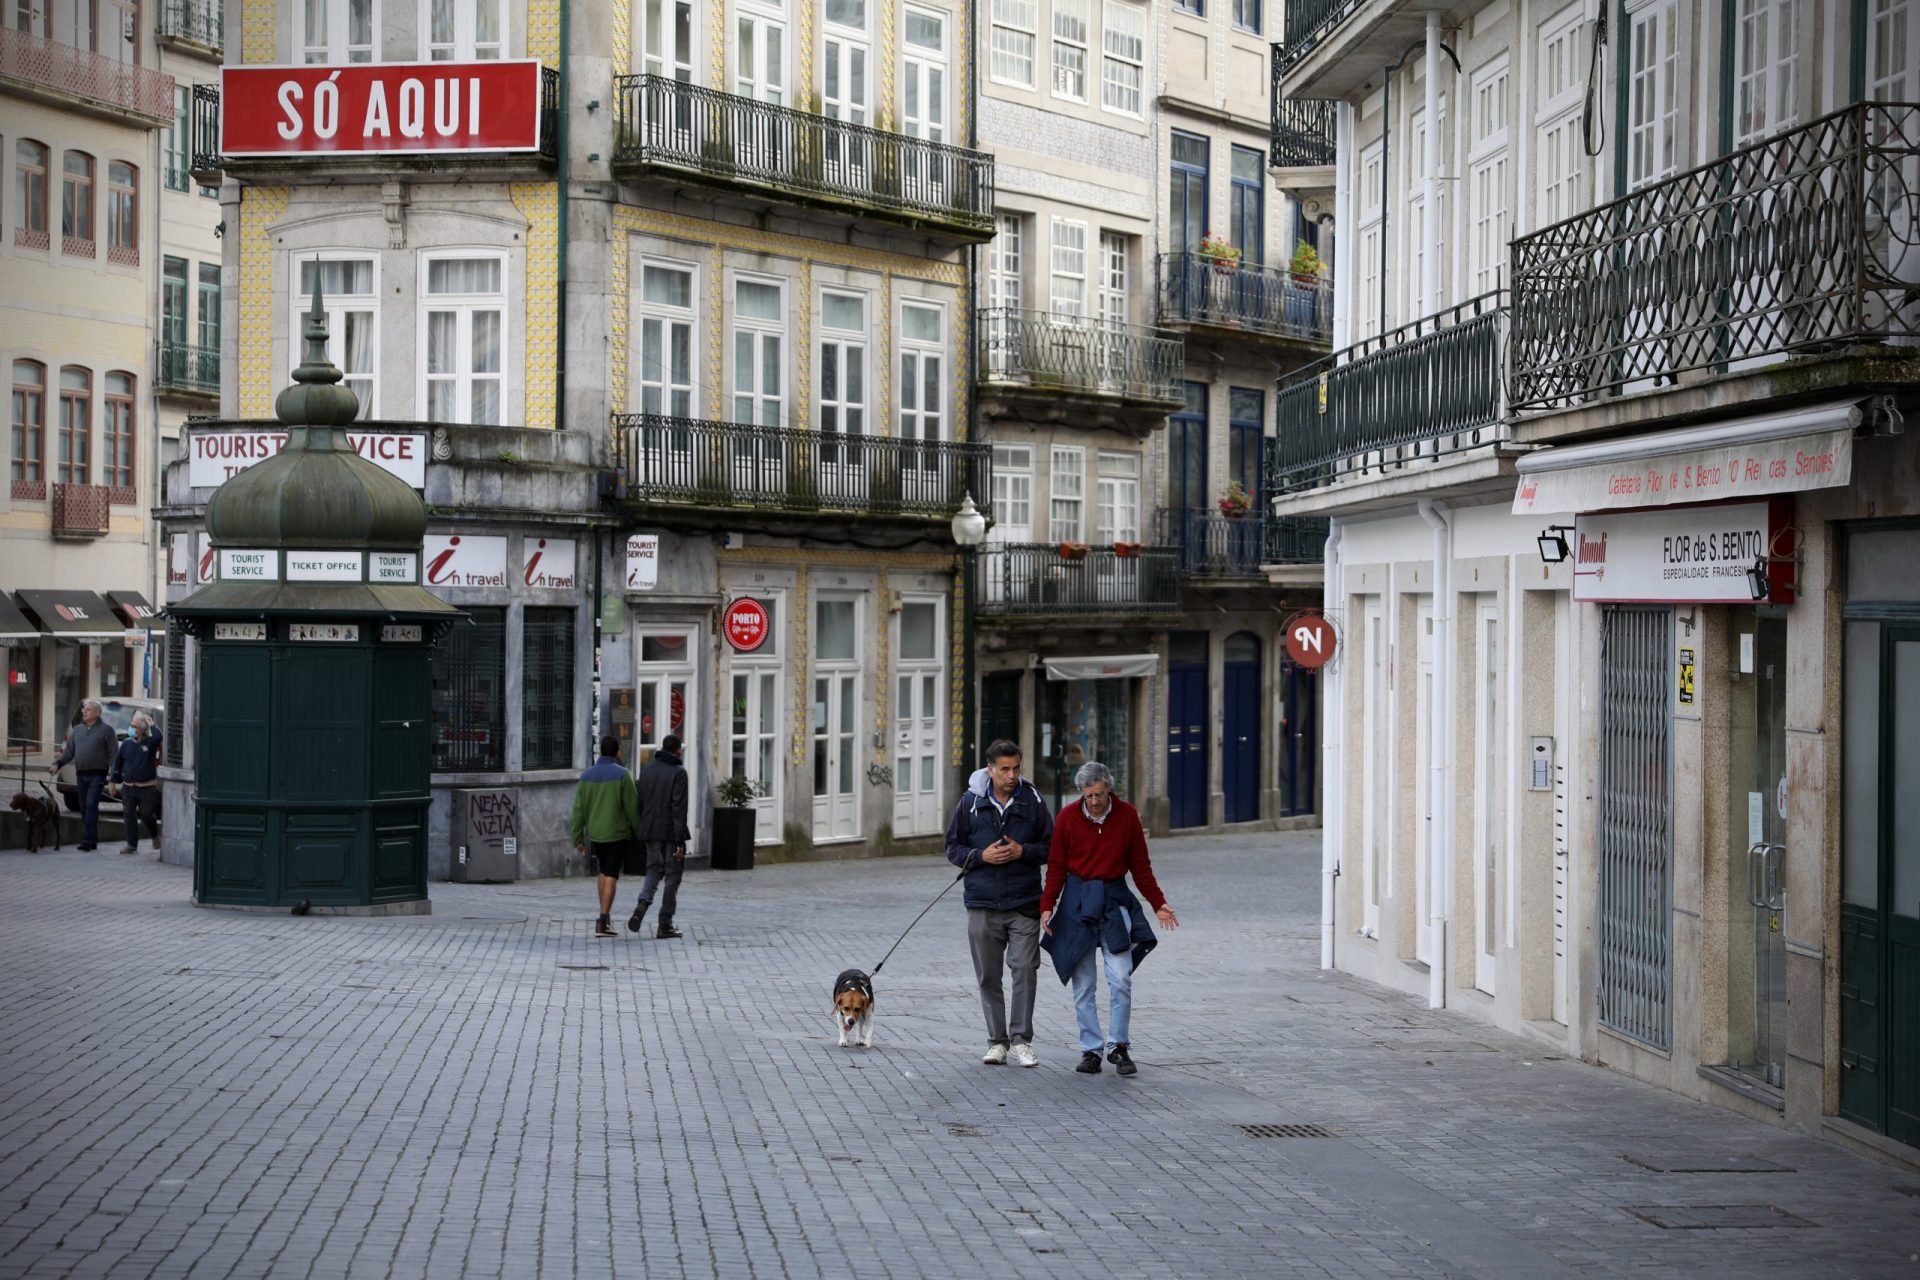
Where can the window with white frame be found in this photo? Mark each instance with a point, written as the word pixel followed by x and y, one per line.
pixel 1653 93
pixel 463 337
pixel 350 299
pixel 760 52
pixel 463 30
pixel 1012 39
pixel 1123 48
pixel 1119 498
pixel 1488 226
pixel 337 30
pixel 1012 493
pixel 667 38
pixel 1070 49
pixel 1764 48
pixel 1562 160
pixel 1004 262
pixel 1367 251
pixel 1893 51
pixel 923 81
pixel 1113 278
pixel 842 373
pixel 922 360
pixel 1418 228
pixel 1067 495
pixel 759 352
pixel 666 340
pixel 1067 289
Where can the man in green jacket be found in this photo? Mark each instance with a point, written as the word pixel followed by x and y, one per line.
pixel 606 824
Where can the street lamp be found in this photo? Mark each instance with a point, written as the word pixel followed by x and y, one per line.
pixel 969 530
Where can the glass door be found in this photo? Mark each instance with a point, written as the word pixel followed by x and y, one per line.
pixel 1756 854
pixel 836 715
pixel 665 689
pixel 918 705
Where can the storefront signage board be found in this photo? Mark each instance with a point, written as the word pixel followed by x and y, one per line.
pixel 746 625
pixel 215 457
pixel 1688 555
pixel 395 108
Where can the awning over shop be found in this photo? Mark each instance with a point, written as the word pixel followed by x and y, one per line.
pixel 1725 461
pixel 1124 667
pixel 81 617
pixel 134 609
pixel 14 627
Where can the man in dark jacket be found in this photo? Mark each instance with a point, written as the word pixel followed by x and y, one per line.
pixel 90 745
pixel 999 836
pixel 135 778
pixel 663 833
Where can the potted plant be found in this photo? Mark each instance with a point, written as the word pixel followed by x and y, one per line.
pixel 1074 550
pixel 1126 550
pixel 733 822
pixel 1307 266
pixel 1223 256
pixel 1236 501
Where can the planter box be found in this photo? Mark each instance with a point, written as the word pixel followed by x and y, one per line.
pixel 733 839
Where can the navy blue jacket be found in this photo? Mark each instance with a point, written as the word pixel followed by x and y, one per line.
pixel 1088 916
pixel 977 823
pixel 138 759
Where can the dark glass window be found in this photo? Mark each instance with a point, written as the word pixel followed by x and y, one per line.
pixel 1187 452
pixel 1246 422
pixel 469 706
pixel 1246 14
pixel 1187 208
pixel 1247 208
pixel 546 655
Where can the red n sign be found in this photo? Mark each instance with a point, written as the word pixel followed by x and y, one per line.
pixel 381 109
pixel 1310 640
pixel 746 625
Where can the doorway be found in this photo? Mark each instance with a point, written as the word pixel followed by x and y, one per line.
pixel 1082 720
pixel 1756 844
pixel 1240 732
pixel 1187 721
pixel 1299 736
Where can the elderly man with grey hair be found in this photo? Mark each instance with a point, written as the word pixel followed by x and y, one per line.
pixel 1087 911
pixel 89 748
pixel 136 780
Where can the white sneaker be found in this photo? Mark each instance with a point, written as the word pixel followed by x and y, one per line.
pixel 995 1055
pixel 1022 1056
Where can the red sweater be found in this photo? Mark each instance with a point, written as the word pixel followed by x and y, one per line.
pixel 1100 851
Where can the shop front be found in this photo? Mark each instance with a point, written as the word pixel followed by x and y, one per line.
pixel 1086 711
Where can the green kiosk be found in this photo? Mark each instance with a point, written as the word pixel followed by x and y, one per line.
pixel 313 725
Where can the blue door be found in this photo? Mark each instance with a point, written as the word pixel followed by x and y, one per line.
pixel 1187 744
pixel 1240 730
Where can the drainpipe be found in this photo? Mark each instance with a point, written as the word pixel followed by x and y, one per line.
pixel 1332 758
pixel 1439 749
pixel 560 229
pixel 1430 257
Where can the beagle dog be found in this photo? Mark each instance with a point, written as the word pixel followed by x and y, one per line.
pixel 853 1008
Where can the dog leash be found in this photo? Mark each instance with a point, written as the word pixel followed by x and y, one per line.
pixel 916 920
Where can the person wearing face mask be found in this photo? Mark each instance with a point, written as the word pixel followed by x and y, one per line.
pixel 1087 912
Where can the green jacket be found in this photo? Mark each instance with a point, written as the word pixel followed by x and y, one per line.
pixel 606 808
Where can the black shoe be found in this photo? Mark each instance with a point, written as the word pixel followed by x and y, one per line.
pixel 1122 1061
pixel 88 848
pixel 603 927
pixel 1089 1063
pixel 666 931
pixel 132 848
pixel 633 921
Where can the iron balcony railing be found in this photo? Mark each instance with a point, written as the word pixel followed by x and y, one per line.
pixel 1069 353
pixel 1302 128
pixel 189 368
pixel 80 73
pixel 1197 290
pixel 1039 579
pixel 1419 391
pixel 698 462
pixel 208 162
pixel 1805 241
pixel 196 21
pixel 666 122
pixel 1294 540
pixel 1308 24
pixel 1212 544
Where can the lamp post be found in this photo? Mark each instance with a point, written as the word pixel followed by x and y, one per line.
pixel 969 530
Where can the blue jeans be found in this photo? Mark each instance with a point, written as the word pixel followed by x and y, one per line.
pixel 90 787
pixel 1086 1009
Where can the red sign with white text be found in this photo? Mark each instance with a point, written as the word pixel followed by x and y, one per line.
pixel 746 625
pixel 1310 641
pixel 380 109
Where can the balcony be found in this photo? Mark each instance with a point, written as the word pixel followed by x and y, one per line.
pixel 1221 548
pixel 188 370
pixel 1267 302
pixel 1294 540
pixel 1800 245
pixel 1049 581
pixel 1421 392
pixel 1302 129
pixel 65 76
pixel 738 144
pixel 1332 48
pixel 197 24
pixel 732 470
pixel 1079 364
pixel 207 164
pixel 80 510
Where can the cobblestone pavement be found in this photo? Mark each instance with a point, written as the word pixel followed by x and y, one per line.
pixel 489 1091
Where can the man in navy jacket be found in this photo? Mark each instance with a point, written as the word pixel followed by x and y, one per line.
pixel 999 835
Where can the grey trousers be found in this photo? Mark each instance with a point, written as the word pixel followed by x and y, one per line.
pixel 1009 939
pixel 663 875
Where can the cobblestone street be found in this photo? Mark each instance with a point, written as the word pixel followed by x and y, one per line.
pixel 489 1091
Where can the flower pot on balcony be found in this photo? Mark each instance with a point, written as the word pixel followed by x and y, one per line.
pixel 1127 550
pixel 1074 551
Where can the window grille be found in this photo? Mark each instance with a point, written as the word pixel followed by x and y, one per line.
pixel 469 709
pixel 176 696
pixel 547 696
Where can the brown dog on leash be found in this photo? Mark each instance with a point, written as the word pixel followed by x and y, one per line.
pixel 43 818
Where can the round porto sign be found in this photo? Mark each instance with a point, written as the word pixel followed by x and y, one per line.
pixel 746 625
pixel 1310 640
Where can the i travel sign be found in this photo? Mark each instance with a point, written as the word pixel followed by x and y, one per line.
pixel 1684 555
pixel 215 457
pixel 393 108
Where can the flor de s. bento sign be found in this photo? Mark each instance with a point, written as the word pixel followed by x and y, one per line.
pixel 392 108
